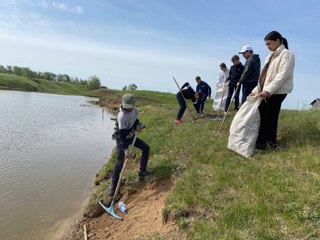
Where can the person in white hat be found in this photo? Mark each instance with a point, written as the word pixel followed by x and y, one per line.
pixel 251 71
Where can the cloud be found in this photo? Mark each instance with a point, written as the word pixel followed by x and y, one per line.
pixel 116 65
pixel 60 6
pixel 39 3
pixel 64 7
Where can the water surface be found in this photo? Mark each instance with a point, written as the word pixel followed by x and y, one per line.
pixel 51 146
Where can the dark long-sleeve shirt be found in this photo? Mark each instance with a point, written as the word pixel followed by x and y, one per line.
pixel 188 92
pixel 235 73
pixel 204 89
pixel 251 69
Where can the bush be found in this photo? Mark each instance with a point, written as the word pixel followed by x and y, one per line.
pixel 93 83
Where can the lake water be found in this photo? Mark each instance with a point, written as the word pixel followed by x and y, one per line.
pixel 51 147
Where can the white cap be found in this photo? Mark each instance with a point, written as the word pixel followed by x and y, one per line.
pixel 245 48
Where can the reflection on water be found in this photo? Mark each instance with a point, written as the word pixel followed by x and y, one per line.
pixel 51 146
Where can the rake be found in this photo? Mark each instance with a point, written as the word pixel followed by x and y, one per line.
pixel 193 118
pixel 227 113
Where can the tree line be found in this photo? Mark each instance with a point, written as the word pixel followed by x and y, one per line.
pixel 93 82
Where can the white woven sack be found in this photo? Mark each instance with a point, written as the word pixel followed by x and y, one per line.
pixel 244 128
pixel 218 95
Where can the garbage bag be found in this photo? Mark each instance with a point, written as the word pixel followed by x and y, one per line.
pixel 220 95
pixel 244 128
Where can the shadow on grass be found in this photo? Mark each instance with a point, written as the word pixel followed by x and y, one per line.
pixel 163 171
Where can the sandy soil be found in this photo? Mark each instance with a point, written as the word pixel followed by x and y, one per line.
pixel 144 217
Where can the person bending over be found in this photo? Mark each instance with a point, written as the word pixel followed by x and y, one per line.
pixel 186 92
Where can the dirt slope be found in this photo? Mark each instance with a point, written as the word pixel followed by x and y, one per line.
pixel 144 217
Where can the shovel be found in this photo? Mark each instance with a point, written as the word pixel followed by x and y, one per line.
pixel 110 209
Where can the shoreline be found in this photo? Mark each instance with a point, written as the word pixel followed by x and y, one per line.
pixel 64 230
pixel 64 227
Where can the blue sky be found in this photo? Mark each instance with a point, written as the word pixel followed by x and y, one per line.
pixel 147 42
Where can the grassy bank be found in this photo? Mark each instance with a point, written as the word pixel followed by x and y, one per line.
pixel 218 194
pixel 13 82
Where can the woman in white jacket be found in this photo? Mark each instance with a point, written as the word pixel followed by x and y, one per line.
pixel 275 82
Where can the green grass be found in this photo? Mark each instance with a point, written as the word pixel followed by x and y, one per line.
pixel 221 195
pixel 13 82
pixel 218 194
pixel 8 81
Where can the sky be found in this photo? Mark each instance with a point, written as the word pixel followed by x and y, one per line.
pixel 148 42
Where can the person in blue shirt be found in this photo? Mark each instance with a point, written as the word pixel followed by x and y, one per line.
pixel 204 91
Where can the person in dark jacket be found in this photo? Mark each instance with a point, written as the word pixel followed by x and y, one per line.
pixel 128 123
pixel 233 79
pixel 251 71
pixel 204 91
pixel 186 92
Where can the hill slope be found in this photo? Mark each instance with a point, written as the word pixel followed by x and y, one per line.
pixel 13 82
pixel 200 190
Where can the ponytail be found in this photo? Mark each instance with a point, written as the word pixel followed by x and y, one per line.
pixel 274 35
pixel 285 43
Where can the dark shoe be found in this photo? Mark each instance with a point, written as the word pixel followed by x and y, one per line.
pixel 143 174
pixel 262 147
pixel 274 146
pixel 111 189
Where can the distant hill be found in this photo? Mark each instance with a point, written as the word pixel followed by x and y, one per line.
pixel 13 82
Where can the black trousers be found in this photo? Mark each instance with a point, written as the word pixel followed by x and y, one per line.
pixel 269 114
pixel 144 147
pixel 231 89
pixel 201 102
pixel 183 106
pixel 247 89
